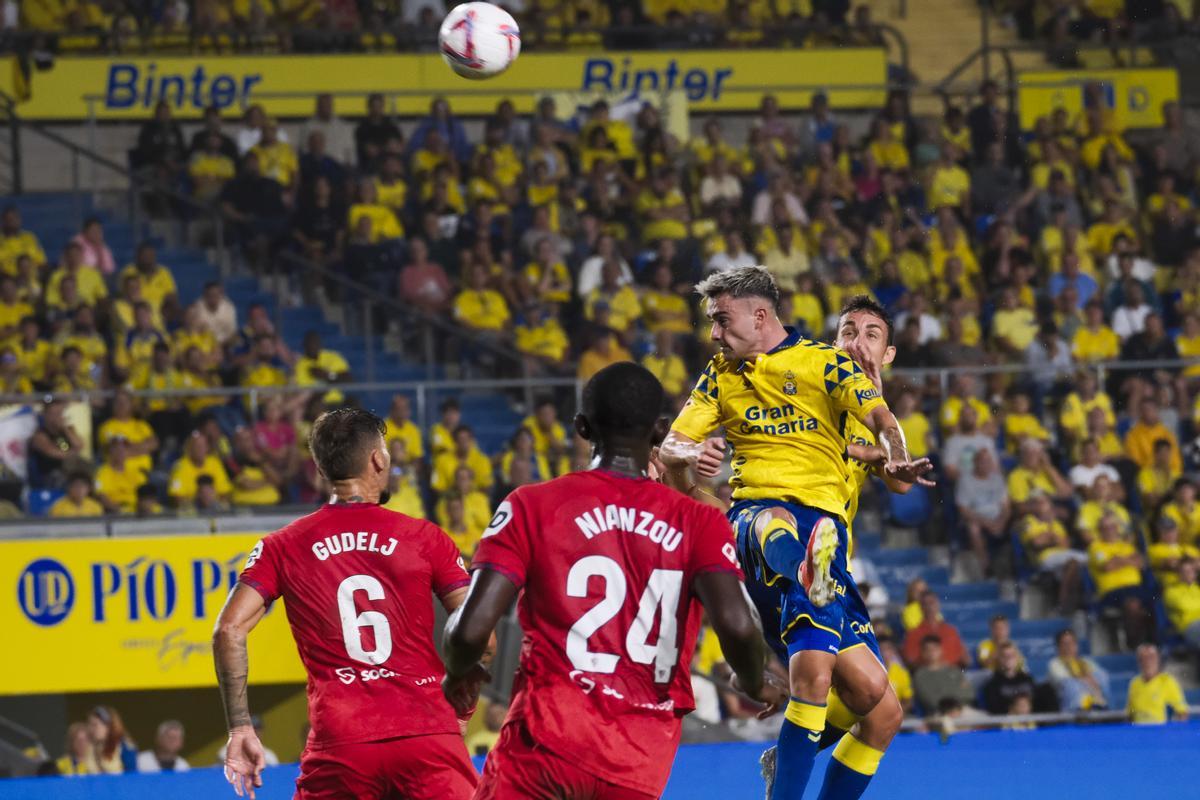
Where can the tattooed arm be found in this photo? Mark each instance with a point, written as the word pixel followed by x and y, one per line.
pixel 897 463
pixel 244 758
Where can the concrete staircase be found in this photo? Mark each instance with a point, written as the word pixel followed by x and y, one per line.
pixel 940 35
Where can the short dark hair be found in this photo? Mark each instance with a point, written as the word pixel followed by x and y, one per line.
pixel 862 302
pixel 342 440
pixel 623 399
pixel 931 639
pixel 1000 618
pixel 1058 637
pixel 448 404
pixel 205 480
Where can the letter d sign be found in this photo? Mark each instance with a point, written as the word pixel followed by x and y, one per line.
pixel 1138 98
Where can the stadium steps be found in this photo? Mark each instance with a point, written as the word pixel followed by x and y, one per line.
pixel 941 34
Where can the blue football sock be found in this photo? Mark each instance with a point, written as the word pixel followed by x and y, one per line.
pixel 798 742
pixel 850 770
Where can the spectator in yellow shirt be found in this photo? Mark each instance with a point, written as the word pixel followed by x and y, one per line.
pixel 117 480
pixel 605 349
pixel 1014 326
pixel 89 283
pixel 1036 476
pixel 662 209
pixel 210 169
pixel 663 309
pixel 1114 222
pixel 1095 340
pixel 266 368
pixel 158 284
pixel 465 537
pixel 949 184
pixel 465 452
pixel 476 508
pixel 1154 482
pixel 999 635
pixel 321 366
pixel 917 431
pixel 1184 509
pixel 441 434
pixel 1153 692
pixel 549 436
pixel 1103 499
pixel 1167 553
pixel 479 306
pixel 1116 568
pixel 77 502
pixel 277 160
pixel 963 391
pixel 666 365
pixel 369 220
pixel 1182 600
pixel 625 309
pixel 255 481
pixel 195 462
pixel 12 308
pixel 1049 549
pixel 539 334
pixel 142 442
pixel 399 425
pixel 898 674
pixel 1149 429
pixel 1020 424
pixel 888 153
pixel 16 242
pixel 1080 403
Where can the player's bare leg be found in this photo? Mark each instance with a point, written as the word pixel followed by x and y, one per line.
pixel 863 687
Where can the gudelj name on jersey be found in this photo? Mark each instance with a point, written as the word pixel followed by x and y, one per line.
pixel 629 520
pixel 362 542
pixel 776 420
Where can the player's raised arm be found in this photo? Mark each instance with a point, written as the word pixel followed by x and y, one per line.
pixel 244 758
pixel 739 631
pixel 469 631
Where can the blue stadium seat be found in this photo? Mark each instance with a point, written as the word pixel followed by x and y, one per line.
pixel 910 510
pixel 40 500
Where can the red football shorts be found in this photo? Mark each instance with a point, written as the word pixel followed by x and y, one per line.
pixel 433 767
pixel 518 769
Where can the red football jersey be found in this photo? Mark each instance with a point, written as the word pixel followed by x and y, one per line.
pixel 606 563
pixel 357 583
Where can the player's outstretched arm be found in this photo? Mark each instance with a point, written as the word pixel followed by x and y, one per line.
pixel 678 452
pixel 244 756
pixel 468 633
pixel 897 462
pixel 736 625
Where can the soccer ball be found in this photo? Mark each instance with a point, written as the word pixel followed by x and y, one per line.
pixel 479 40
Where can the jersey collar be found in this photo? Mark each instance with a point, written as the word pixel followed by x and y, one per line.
pixel 791 340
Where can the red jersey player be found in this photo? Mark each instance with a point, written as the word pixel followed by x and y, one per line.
pixel 356 581
pixel 609 565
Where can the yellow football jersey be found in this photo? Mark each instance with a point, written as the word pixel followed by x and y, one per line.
pixel 854 432
pixel 782 416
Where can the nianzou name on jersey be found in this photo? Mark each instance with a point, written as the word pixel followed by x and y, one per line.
pixel 629 520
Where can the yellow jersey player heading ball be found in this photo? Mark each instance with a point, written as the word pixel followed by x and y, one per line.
pixel 781 400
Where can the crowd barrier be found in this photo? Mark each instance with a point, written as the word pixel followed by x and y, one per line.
pixel 1098 763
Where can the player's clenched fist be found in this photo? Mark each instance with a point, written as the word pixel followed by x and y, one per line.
pixel 711 457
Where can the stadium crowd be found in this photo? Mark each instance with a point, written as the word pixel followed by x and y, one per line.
pixel 574 236
pixel 47 27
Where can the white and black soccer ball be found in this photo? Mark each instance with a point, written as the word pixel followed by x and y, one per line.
pixel 479 40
